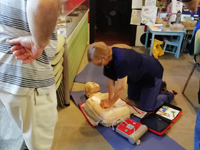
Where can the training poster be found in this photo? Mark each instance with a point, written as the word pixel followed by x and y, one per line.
pixel 136 4
pixel 148 14
pixel 168 112
pixel 136 17
pixel 176 6
pixel 150 3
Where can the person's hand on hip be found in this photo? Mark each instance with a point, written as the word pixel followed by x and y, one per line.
pixel 25 49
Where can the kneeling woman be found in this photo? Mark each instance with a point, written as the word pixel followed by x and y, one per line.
pixel 142 72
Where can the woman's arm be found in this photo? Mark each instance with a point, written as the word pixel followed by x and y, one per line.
pixel 42 17
pixel 121 85
pixel 111 88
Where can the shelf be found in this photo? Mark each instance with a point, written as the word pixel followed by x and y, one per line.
pixel 69 5
pixel 70 26
pixel 79 40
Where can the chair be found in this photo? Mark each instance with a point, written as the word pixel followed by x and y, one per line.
pixel 175 43
pixel 186 39
pixel 57 64
pixel 189 41
pixel 196 57
pixel 172 42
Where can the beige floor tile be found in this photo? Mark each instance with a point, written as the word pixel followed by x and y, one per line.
pixel 74 133
pixel 57 134
pixel 86 138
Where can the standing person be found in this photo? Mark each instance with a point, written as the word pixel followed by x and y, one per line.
pixel 142 72
pixel 27 85
pixel 193 6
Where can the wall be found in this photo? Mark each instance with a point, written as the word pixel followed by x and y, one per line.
pixel 76 45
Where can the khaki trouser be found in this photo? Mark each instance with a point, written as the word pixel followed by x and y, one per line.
pixel 35 115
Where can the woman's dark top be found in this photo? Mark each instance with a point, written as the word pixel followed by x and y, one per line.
pixel 141 69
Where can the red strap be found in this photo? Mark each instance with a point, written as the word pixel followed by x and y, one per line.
pixel 80 104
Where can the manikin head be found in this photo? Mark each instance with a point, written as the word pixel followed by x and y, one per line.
pixel 99 54
pixel 91 88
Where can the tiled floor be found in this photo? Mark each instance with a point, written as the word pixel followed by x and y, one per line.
pixel 74 133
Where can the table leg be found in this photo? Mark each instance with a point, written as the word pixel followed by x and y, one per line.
pixel 183 43
pixel 152 41
pixel 179 46
pixel 146 40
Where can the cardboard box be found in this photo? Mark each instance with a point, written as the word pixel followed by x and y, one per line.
pixel 159 21
pixel 176 27
pixel 189 25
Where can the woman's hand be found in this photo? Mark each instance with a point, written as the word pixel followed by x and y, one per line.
pixel 25 49
pixel 106 103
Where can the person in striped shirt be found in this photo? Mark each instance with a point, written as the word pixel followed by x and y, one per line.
pixel 27 86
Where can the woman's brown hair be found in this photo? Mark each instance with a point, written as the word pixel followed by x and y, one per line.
pixel 98 50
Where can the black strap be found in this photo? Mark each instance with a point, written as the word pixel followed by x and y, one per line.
pixel 195 58
pixel 186 1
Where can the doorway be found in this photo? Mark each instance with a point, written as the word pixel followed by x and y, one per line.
pixel 110 21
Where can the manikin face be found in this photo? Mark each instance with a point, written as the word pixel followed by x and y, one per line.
pixel 91 88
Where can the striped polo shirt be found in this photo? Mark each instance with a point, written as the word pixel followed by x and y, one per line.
pixel 15 77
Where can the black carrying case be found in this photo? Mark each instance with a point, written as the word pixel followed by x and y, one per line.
pixel 159 124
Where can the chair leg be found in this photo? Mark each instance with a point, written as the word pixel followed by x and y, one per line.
pixel 177 53
pixel 164 47
pixel 195 65
pixel 174 49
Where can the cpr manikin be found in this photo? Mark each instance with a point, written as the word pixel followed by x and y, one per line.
pixel 118 113
pixel 107 117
